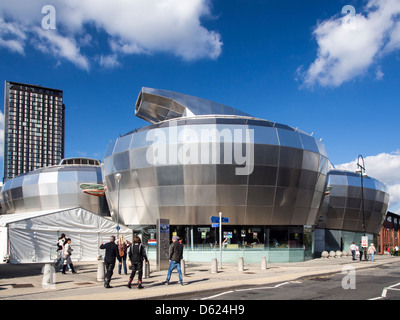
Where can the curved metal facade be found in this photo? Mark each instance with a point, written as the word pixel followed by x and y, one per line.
pixel 341 209
pixel 187 169
pixel 52 188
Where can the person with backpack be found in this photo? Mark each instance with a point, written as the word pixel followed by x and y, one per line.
pixel 137 254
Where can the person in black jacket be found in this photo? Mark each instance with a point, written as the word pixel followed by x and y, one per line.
pixel 109 259
pixel 175 257
pixel 137 254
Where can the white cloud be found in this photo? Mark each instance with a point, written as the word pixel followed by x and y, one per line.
pixel 348 50
pixel 109 61
pixel 131 26
pixel 384 167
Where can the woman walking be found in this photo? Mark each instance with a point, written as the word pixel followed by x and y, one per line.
pixel 67 251
pixel 371 251
pixel 123 245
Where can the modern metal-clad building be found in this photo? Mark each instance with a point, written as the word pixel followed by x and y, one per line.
pixel 343 214
pixel 199 158
pixel 55 187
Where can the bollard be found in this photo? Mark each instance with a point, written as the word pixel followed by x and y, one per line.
pixel 100 271
pixel 49 277
pixel 214 266
pixel 147 270
pixel 183 267
pixel 263 263
pixel 240 264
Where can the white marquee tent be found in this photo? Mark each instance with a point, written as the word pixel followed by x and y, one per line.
pixel 32 236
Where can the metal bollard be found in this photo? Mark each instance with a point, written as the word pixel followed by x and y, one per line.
pixel 263 263
pixel 100 271
pixel 214 266
pixel 183 267
pixel 147 270
pixel 240 264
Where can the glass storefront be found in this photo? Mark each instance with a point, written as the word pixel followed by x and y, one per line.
pixel 294 241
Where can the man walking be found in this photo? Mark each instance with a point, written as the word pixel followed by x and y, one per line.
pixel 109 259
pixel 175 257
pixel 137 254
pixel 353 249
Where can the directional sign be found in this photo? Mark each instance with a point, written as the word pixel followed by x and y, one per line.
pixel 215 219
pixel 215 225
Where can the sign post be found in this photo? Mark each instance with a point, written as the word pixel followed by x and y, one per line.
pixel 220 240
pixel 162 251
pixel 219 220
pixel 364 241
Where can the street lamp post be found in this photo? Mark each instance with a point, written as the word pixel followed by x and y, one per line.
pixel 361 171
pixel 118 178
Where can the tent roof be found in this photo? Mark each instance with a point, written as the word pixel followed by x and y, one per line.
pixel 61 223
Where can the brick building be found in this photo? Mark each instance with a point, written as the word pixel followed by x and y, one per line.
pixel 389 236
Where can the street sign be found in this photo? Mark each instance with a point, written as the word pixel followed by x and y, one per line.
pixel 215 225
pixel 215 219
pixel 364 241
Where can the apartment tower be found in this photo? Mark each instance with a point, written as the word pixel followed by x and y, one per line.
pixel 34 128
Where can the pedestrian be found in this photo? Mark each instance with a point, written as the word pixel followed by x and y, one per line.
pixel 371 251
pixel 109 259
pixel 137 253
pixel 353 249
pixel 67 252
pixel 60 246
pixel 175 257
pixel 123 245
pixel 361 250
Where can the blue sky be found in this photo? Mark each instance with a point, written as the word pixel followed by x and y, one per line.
pixel 292 62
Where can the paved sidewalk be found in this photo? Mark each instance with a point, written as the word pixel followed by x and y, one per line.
pixel 24 281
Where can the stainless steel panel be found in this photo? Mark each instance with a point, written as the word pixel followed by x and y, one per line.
pixel 304 198
pixel 200 195
pixel 199 174
pixel 288 177
pixel 285 197
pixel 260 196
pixel 231 195
pixel 226 174
pixel 266 155
pixel 199 215
pixel 169 175
pixel 308 180
pixel 263 175
pixel 144 177
pixel 121 161
pixel 300 216
pixel 291 158
pixel 282 215
pixel 309 143
pixel 310 161
pixel 171 196
pixel 289 138
pixel 258 215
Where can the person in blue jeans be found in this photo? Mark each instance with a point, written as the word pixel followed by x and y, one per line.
pixel 371 251
pixel 175 257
